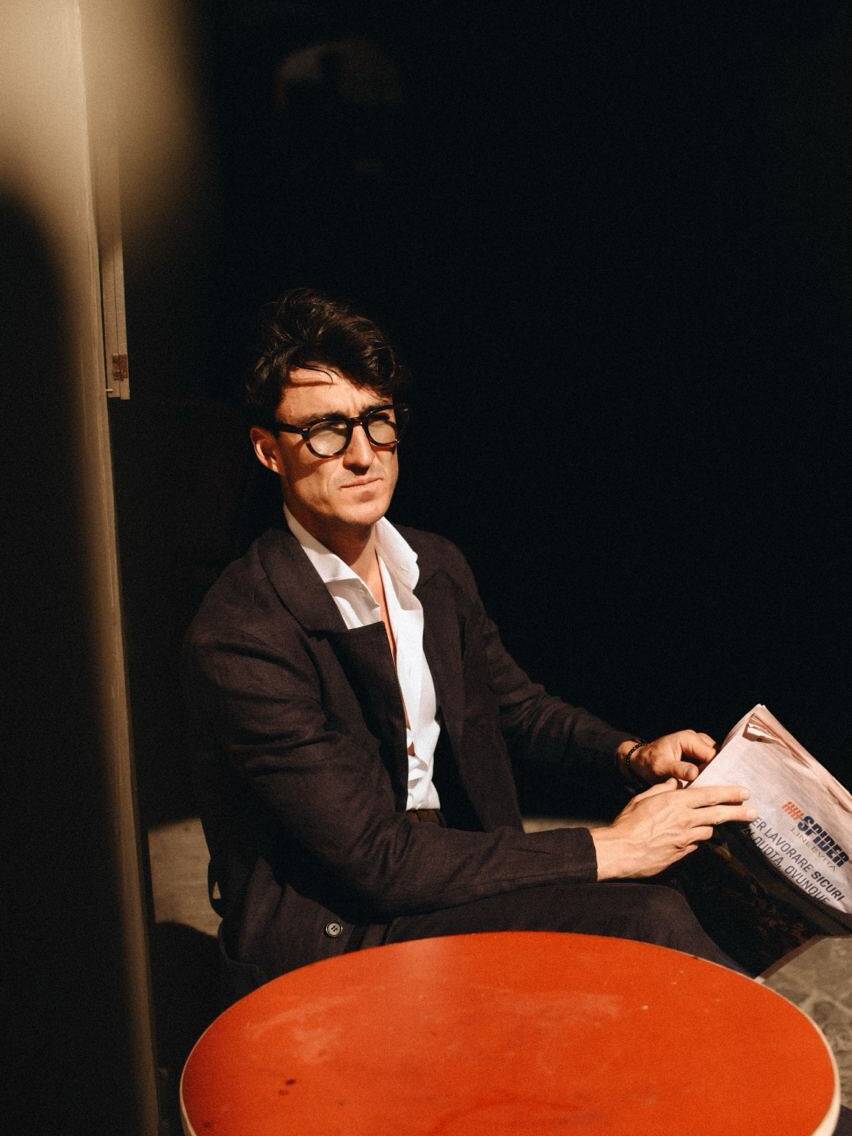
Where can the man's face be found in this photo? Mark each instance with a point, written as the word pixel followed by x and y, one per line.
pixel 333 497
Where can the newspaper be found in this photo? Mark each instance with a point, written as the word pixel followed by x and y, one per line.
pixel 804 822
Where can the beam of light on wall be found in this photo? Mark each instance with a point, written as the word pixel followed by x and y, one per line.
pixel 138 76
pixel 76 76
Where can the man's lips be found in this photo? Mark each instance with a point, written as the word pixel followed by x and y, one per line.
pixel 361 483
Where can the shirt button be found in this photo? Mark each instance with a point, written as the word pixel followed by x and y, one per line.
pixel 333 929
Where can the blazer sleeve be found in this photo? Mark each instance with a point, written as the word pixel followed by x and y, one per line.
pixel 259 703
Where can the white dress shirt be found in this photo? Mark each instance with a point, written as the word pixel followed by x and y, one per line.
pixel 358 607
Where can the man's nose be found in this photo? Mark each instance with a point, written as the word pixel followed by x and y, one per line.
pixel 359 453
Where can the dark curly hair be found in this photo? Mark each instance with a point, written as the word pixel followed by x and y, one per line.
pixel 307 329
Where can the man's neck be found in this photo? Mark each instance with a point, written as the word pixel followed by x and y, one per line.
pixel 355 545
pixel 361 558
pixel 358 550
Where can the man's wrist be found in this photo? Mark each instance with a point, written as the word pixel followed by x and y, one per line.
pixel 624 756
pixel 607 851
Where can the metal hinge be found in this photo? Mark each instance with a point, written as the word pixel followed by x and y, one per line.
pixel 111 256
pixel 119 373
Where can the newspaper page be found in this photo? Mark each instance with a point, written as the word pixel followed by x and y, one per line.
pixel 804 822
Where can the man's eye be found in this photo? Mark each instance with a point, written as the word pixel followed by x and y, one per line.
pixel 330 425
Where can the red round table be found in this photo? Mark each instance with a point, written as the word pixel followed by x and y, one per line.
pixel 513 1032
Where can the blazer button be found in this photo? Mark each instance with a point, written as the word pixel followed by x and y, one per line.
pixel 333 929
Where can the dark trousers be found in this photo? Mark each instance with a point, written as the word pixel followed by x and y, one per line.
pixel 651 913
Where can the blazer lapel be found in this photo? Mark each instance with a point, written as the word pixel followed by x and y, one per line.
pixel 297 583
pixel 362 652
pixel 442 646
pixel 365 656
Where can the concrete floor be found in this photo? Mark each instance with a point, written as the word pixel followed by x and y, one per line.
pixel 178 857
pixel 185 963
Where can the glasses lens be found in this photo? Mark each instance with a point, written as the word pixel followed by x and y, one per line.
pixel 329 437
pixel 382 428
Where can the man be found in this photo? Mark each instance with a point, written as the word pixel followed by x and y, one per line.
pixel 355 710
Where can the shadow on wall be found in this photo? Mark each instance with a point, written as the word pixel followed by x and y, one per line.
pixel 187 997
pixel 66 1052
pixel 179 466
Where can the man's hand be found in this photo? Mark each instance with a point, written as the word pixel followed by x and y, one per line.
pixel 682 755
pixel 664 824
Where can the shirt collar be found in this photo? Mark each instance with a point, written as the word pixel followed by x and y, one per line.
pixel 397 554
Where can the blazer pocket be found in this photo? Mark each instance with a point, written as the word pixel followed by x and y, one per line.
pixel 239 978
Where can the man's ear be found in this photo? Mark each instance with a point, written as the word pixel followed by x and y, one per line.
pixel 265 446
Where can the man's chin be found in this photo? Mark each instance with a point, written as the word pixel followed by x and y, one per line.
pixel 361 514
pixel 366 515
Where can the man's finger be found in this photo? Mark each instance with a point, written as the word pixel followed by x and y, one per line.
pixel 686 771
pixel 703 795
pixel 723 814
pixel 702 833
pixel 700 746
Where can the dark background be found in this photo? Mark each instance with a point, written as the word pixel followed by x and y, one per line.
pixel 612 241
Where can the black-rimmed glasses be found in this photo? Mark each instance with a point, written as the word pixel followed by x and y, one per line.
pixel 330 436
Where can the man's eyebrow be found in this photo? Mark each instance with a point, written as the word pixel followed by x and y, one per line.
pixel 313 418
pixel 385 404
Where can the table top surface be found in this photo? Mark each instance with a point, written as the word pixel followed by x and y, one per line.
pixel 511 1032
